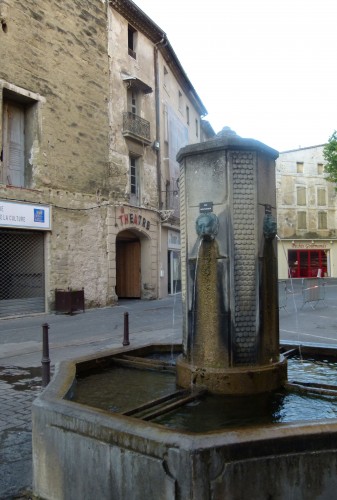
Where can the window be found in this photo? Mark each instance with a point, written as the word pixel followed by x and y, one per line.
pixel 299 167
pixel 187 115
pixel 301 195
pixel 301 220
pixel 321 197
pixel 180 99
pixel 320 168
pixel 322 220
pixel 132 41
pixel 165 77
pixel 196 128
pixel 166 124
pixel 134 180
pixel 132 101
pixel 20 134
pixel 13 152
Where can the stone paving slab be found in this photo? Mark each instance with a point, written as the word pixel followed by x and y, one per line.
pixel 18 388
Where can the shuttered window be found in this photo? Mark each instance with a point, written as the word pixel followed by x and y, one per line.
pixel 321 197
pixel 301 220
pixel 13 144
pixel 134 181
pixel 299 167
pixel 301 195
pixel 322 220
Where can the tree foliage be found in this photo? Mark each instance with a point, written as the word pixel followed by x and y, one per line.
pixel 330 156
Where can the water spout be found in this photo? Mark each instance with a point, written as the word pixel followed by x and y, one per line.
pixel 207 226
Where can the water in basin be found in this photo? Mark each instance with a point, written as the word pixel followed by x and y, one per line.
pixel 121 389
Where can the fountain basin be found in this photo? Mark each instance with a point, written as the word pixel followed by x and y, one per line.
pixel 83 452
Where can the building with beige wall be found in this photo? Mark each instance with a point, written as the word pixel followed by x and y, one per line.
pixel 155 111
pixel 94 106
pixel 306 215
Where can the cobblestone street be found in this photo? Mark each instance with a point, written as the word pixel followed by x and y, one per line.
pixel 18 388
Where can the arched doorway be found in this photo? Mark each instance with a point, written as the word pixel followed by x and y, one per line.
pixel 128 265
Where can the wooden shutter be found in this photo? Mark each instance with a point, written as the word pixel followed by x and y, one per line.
pixel 321 196
pixel 13 144
pixel 301 196
pixel 301 220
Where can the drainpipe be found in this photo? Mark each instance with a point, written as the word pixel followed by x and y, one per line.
pixel 158 152
pixel 157 104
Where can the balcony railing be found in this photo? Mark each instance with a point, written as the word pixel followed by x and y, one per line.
pixel 136 128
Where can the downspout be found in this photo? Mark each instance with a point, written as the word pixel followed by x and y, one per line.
pixel 158 153
pixel 157 105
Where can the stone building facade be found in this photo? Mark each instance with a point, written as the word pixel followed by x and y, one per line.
pixel 157 112
pixel 84 185
pixel 306 208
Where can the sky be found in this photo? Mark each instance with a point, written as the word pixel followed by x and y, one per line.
pixel 265 68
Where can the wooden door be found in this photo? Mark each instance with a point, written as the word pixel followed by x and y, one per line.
pixel 128 269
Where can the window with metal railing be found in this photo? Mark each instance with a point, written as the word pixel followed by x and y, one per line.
pixel 136 127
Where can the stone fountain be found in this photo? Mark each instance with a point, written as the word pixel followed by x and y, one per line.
pixel 230 347
pixel 229 286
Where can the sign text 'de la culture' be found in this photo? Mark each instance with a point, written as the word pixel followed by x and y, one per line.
pixel 25 215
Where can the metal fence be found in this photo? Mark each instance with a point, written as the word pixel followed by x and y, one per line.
pixel 313 291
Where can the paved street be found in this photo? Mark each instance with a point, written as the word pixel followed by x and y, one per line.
pixel 99 329
pixel 309 322
pixel 69 337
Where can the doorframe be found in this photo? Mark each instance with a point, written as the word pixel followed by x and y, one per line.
pixel 145 255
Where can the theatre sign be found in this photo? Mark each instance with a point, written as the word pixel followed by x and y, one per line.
pixel 25 215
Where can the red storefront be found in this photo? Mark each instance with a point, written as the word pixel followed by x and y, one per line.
pixel 307 263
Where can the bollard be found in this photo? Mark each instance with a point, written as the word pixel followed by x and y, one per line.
pixel 126 329
pixel 45 356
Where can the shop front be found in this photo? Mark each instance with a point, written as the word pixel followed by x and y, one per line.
pixel 307 258
pixel 308 263
pixel 22 257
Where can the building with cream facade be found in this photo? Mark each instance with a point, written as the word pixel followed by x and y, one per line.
pixel 94 106
pixel 306 215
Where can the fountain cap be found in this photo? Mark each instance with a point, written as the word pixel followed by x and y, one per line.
pixel 226 131
pixel 226 139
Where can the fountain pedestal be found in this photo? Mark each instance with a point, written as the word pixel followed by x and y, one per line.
pixel 233 381
pixel 229 268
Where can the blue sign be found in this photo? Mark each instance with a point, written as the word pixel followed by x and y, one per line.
pixel 38 215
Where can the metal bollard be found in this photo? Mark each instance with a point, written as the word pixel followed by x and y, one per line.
pixel 126 329
pixel 45 356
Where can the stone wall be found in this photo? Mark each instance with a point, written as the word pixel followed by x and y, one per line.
pixel 58 50
pixel 55 53
pixel 77 248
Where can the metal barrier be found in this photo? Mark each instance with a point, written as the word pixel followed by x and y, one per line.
pixel 313 291
pixel 282 294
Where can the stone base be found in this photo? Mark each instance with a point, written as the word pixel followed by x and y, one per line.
pixel 236 381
